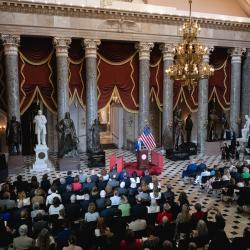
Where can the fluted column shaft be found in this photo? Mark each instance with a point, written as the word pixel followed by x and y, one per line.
pixel 245 104
pixel 144 77
pixel 236 54
pixel 167 109
pixel 11 43
pixel 202 115
pixel 91 86
pixel 62 66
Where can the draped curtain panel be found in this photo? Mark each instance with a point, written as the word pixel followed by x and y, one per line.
pixel 37 78
pixel 156 76
pixel 118 74
pixel 77 73
pixel 220 82
pixel 3 105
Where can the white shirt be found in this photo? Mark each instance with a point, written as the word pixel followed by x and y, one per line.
pixel 49 199
pixel 137 225
pixel 115 200
pixel 55 210
pixel 153 209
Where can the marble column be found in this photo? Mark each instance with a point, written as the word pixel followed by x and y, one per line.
pixel 10 44
pixel 144 77
pixel 236 54
pixel 62 44
pixel 167 109
pixel 245 90
pixel 202 117
pixel 91 86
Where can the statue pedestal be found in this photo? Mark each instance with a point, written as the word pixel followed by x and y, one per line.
pixel 66 164
pixel 15 164
pixel 96 160
pixel 41 163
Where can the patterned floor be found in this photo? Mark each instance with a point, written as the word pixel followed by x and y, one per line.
pixel 235 223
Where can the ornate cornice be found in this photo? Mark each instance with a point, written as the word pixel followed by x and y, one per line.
pixel 74 11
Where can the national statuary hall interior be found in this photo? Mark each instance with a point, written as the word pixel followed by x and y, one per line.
pixel 124 124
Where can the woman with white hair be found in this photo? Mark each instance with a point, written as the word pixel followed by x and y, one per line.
pixel 23 241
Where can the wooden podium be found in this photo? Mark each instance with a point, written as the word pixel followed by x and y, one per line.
pixel 142 159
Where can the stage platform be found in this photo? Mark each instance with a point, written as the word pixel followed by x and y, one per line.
pixel 133 167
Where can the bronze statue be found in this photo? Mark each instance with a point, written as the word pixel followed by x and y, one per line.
pixel 13 135
pixel 212 122
pixel 94 145
pixel 178 130
pixel 189 127
pixel 68 140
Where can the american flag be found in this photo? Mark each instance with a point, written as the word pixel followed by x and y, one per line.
pixel 148 139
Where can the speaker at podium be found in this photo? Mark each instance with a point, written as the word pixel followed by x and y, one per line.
pixel 142 158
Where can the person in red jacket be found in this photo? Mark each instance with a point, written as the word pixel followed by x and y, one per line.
pixel 165 213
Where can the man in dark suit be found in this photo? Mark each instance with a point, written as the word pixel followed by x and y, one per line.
pixel 138 210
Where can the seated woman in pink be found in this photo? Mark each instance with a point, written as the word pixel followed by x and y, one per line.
pixel 76 185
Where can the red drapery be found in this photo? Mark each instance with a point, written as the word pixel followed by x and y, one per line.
pixel 3 105
pixel 36 73
pixel 220 82
pixel 156 85
pixel 77 74
pixel 117 69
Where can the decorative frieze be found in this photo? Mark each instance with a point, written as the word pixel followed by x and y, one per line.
pixel 78 11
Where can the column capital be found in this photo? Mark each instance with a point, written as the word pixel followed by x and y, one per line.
pixel 61 44
pixel 144 50
pixel 167 51
pixel 247 54
pixel 236 54
pixel 210 49
pixel 90 46
pixel 10 43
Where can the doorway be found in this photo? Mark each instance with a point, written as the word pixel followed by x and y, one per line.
pixel 111 126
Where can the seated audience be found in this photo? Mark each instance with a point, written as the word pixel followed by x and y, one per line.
pixel 92 214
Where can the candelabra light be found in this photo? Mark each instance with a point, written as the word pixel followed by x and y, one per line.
pixel 2 127
pixel 189 66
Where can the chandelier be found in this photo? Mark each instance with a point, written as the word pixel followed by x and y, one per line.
pixel 188 64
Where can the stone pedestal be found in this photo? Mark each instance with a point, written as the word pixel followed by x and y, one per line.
pixel 15 164
pixel 96 160
pixel 66 164
pixel 41 163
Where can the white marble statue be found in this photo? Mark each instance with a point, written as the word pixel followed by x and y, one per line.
pixel 40 129
pixel 246 129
